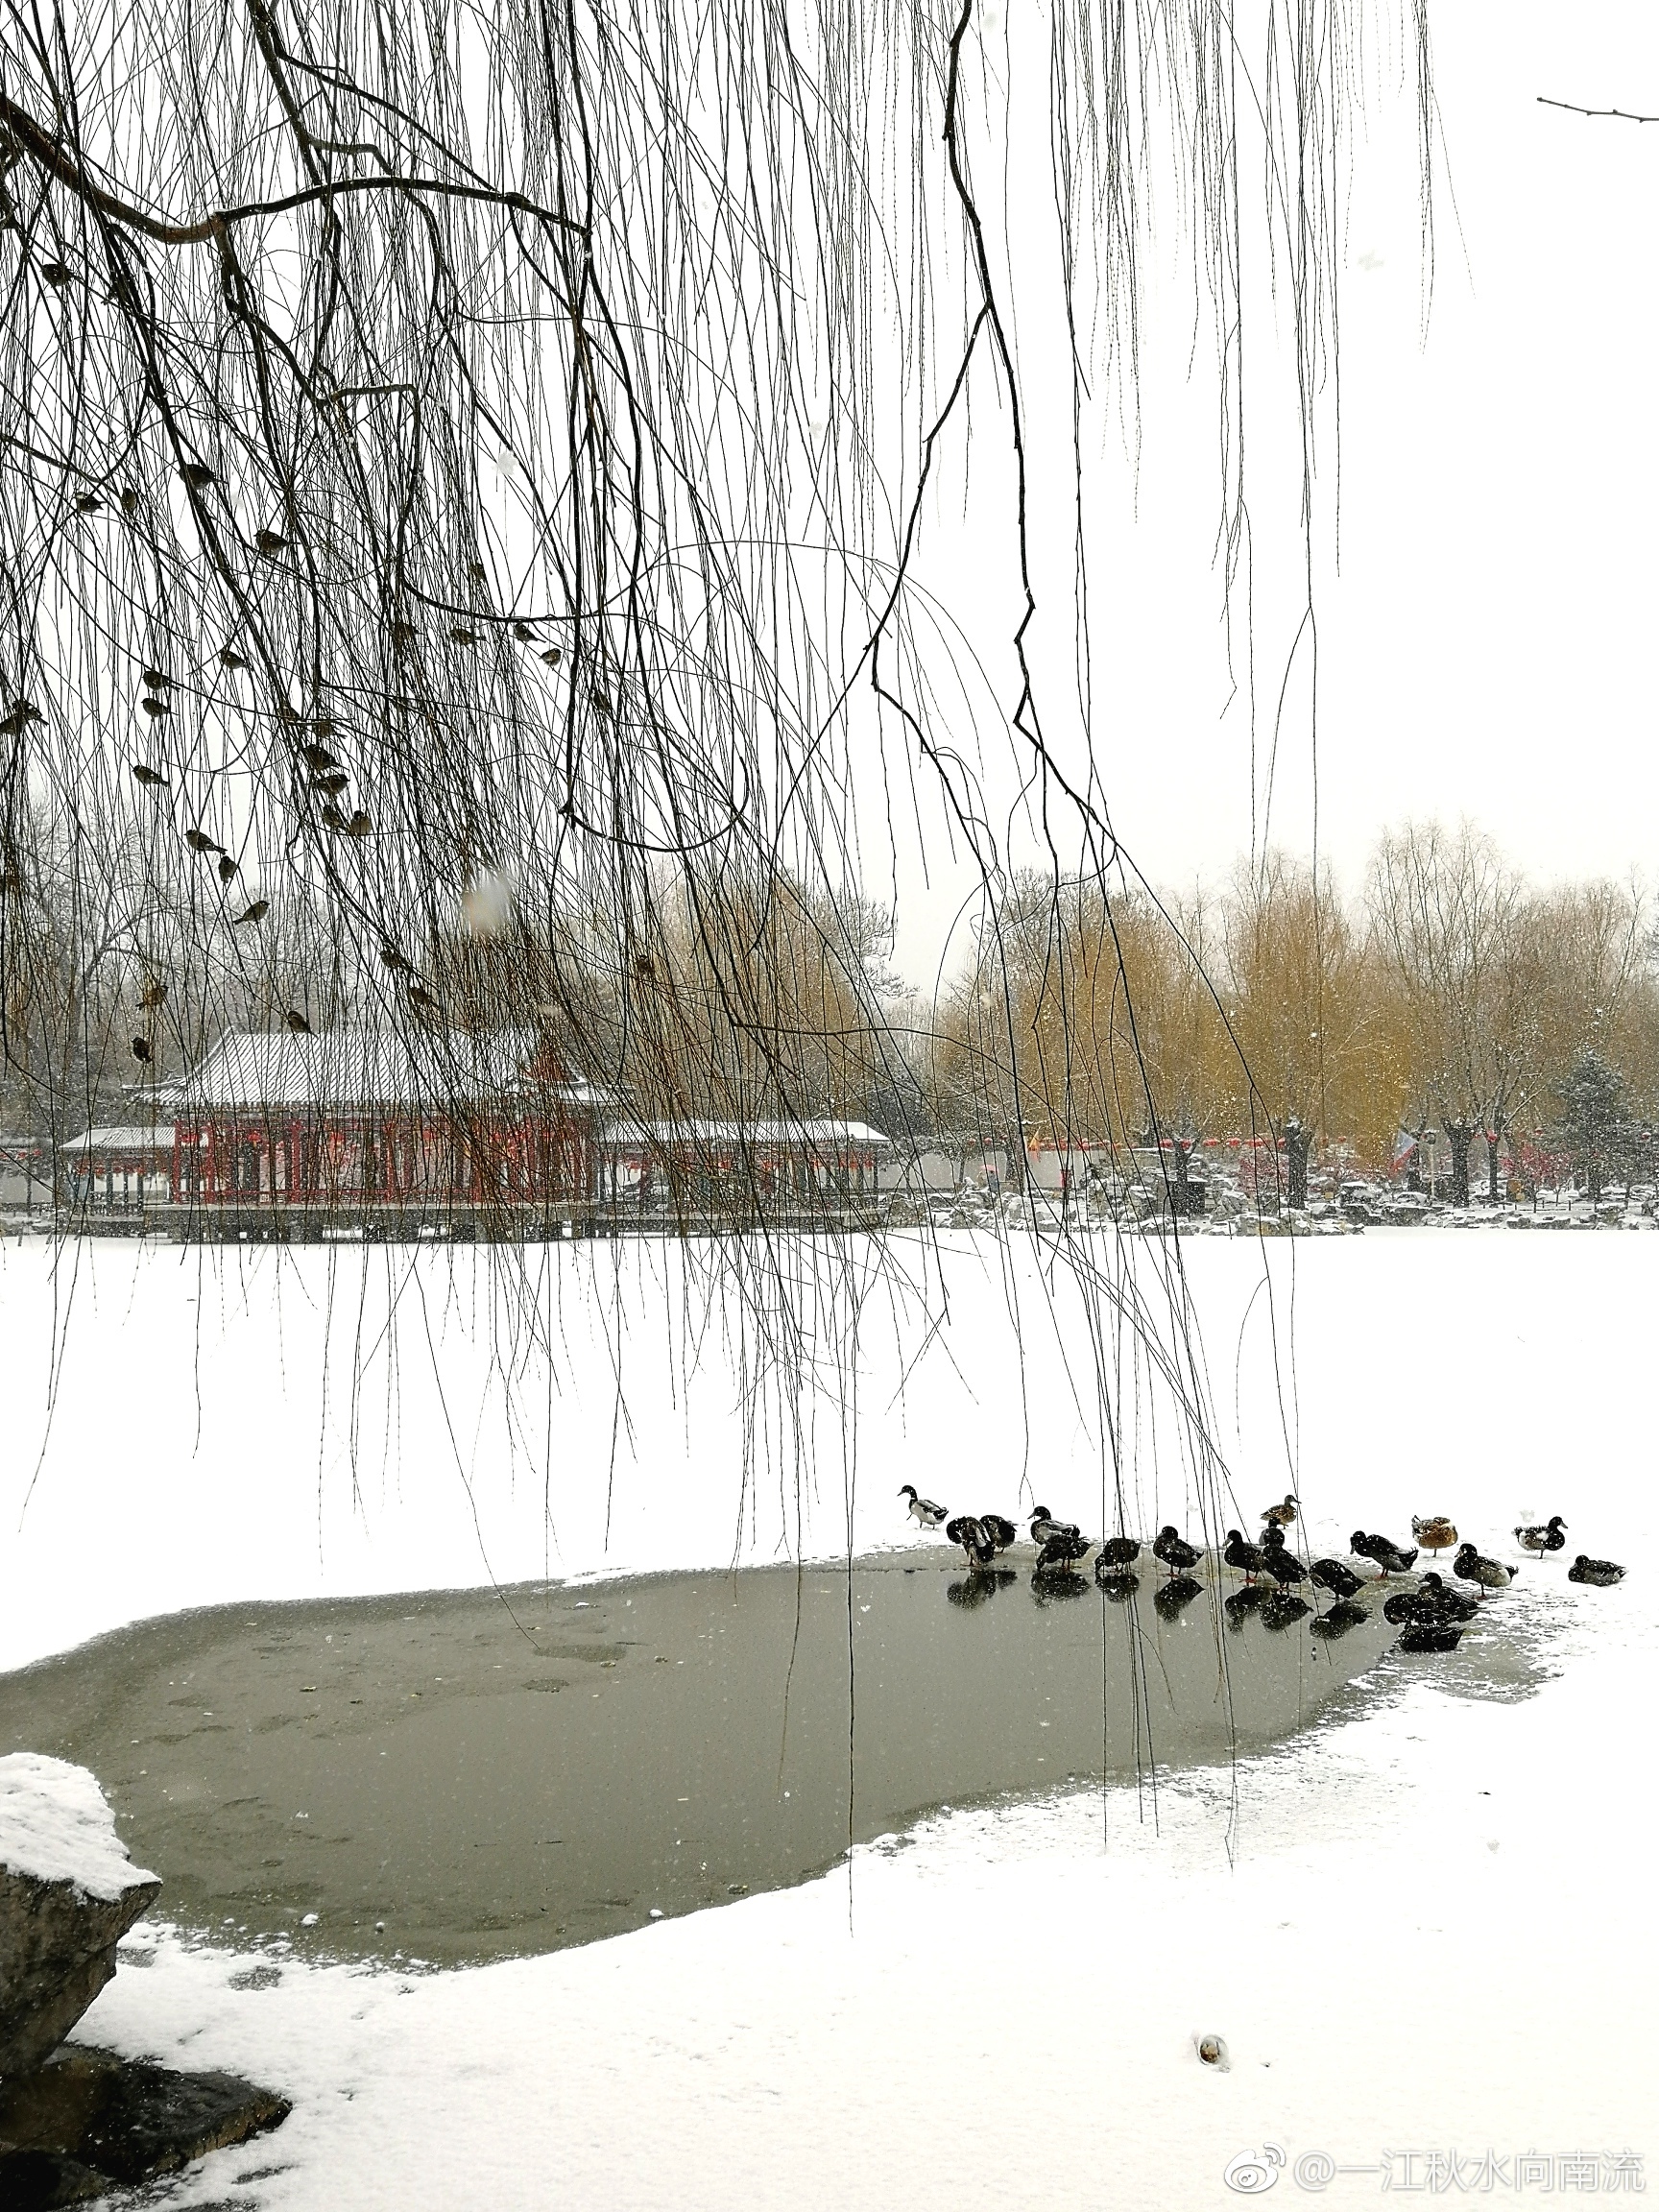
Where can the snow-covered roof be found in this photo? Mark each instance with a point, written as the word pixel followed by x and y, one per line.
pixel 152 1137
pixel 366 1068
pixel 819 1135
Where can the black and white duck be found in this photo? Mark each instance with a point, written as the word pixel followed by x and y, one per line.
pixel 1248 1559
pixel 1543 1536
pixel 922 1509
pixel 1172 1598
pixel 1430 1636
pixel 1116 1553
pixel 1064 1549
pixel 1388 1557
pixel 1599 1574
pixel 1044 1525
pixel 1338 1578
pixel 1282 1515
pixel 1279 1561
pixel 1174 1549
pixel 1472 1566
pixel 1436 1535
pixel 968 1531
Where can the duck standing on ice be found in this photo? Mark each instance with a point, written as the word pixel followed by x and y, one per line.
pixel 1174 1551
pixel 1472 1566
pixel 969 1532
pixel 922 1509
pixel 1282 1515
pixel 1543 1536
pixel 1436 1535
pixel 1388 1557
pixel 1248 1559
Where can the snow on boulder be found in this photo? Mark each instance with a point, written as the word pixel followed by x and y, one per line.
pixel 68 1893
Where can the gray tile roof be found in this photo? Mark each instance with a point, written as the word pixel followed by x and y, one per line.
pixel 345 1070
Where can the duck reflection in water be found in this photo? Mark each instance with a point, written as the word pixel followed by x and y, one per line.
pixel 1171 1598
pixel 1283 1609
pixel 1049 1583
pixel 1341 1618
pixel 970 1590
pixel 1240 1606
pixel 1118 1588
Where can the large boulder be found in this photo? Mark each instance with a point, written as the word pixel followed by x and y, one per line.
pixel 68 1893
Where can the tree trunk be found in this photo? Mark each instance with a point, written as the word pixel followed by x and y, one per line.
pixel 1296 1146
pixel 1460 1137
pixel 1494 1138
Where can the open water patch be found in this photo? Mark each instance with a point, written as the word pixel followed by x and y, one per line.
pixel 469 1776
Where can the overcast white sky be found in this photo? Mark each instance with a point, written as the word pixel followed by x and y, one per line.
pixel 1486 644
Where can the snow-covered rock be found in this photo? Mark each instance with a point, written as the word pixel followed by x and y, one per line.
pixel 68 1893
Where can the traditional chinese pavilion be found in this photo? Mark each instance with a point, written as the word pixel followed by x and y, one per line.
pixel 359 1119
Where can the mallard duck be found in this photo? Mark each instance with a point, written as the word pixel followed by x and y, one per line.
pixel 1279 1561
pixel 1248 1559
pixel 1003 1533
pixel 1044 1525
pixel 1063 1550
pixel 1543 1536
pixel 1436 1535
pixel 1331 1574
pixel 1388 1557
pixel 1455 1605
pixel 922 1509
pixel 1469 1566
pixel 1282 1515
pixel 976 1546
pixel 1174 1549
pixel 1602 1574
pixel 1116 1553
pixel 1173 1596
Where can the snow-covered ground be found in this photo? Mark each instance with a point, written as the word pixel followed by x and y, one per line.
pixel 1425 1929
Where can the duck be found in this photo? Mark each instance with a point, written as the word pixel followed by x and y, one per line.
pixel 1116 1553
pixel 1543 1536
pixel 1279 1561
pixel 1116 1583
pixel 922 1509
pixel 1342 1616
pixel 1002 1532
pixel 1281 1609
pixel 969 1533
pixel 1044 1525
pixel 1436 1535
pixel 1599 1574
pixel 1172 1598
pixel 1248 1559
pixel 1174 1549
pixel 1388 1557
pixel 1431 1636
pixel 1455 1605
pixel 1283 1514
pixel 1469 1566
pixel 1331 1574
pixel 1063 1550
